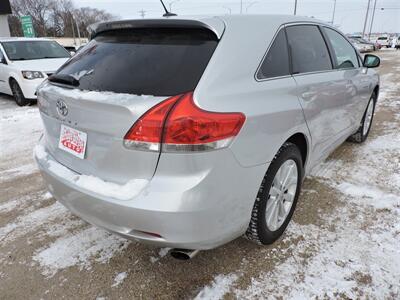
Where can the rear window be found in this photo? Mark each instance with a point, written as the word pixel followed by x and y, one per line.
pixel 159 62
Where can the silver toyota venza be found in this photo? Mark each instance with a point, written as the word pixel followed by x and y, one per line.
pixel 190 132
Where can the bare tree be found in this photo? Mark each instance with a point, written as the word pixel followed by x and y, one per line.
pixel 86 16
pixel 54 17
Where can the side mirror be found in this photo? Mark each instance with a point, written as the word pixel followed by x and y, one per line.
pixel 371 61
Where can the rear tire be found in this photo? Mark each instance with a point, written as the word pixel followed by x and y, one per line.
pixel 276 193
pixel 18 94
pixel 365 127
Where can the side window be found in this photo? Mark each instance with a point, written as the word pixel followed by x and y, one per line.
pixel 308 49
pixel 276 62
pixel 346 56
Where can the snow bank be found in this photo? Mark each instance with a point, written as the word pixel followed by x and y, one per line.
pixel 91 183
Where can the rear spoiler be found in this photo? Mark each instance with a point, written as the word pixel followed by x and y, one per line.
pixel 97 28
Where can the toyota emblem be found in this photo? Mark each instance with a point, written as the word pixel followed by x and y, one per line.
pixel 62 108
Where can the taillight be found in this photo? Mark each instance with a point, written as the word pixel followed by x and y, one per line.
pixel 179 125
pixel 145 134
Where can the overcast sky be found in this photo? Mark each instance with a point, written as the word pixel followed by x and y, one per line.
pixel 349 17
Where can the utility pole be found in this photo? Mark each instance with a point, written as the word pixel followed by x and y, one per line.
pixel 73 29
pixel 142 13
pixel 366 19
pixel 295 7
pixel 334 10
pixel 372 21
pixel 79 32
pixel 241 6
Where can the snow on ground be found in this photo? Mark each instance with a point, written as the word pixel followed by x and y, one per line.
pixel 76 244
pixel 119 278
pixel 218 288
pixel 31 222
pixel 20 128
pixel 79 249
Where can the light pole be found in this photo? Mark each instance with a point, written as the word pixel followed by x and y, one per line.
pixel 170 4
pixel 241 6
pixel 366 19
pixel 372 21
pixel 250 5
pixel 334 10
pixel 295 7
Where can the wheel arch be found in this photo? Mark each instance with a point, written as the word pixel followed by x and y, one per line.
pixel 10 79
pixel 376 91
pixel 301 141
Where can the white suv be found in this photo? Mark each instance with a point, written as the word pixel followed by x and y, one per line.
pixel 25 63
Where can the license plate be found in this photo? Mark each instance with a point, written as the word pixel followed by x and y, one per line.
pixel 73 141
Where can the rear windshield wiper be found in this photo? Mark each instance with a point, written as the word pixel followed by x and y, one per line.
pixel 64 79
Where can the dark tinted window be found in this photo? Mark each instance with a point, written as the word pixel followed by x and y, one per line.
pixel 159 62
pixel 27 50
pixel 345 54
pixel 308 49
pixel 276 62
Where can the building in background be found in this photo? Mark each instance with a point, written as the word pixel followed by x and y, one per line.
pixel 5 10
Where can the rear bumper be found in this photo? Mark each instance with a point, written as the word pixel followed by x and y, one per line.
pixel 201 206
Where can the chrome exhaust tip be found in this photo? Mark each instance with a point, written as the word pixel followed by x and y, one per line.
pixel 183 254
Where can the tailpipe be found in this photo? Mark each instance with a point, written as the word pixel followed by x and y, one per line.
pixel 183 254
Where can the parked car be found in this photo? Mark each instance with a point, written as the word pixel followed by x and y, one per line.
pixel 362 47
pixel 374 45
pixel 396 42
pixel 25 63
pixel 384 41
pixel 166 132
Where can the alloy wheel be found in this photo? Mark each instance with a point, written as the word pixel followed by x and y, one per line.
pixel 368 117
pixel 281 194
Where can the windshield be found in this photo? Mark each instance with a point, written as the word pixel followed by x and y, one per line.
pixel 156 61
pixel 29 50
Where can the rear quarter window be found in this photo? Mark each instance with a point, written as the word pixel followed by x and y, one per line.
pixel 276 62
pixel 156 61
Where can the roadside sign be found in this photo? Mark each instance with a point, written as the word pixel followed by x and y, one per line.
pixel 27 26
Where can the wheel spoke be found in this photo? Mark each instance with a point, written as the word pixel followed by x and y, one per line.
pixel 288 174
pixel 270 204
pixel 271 215
pixel 282 210
pixel 281 195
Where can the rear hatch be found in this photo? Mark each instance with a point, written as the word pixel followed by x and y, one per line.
pixel 104 89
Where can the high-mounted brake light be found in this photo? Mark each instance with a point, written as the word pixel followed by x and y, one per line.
pixel 177 125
